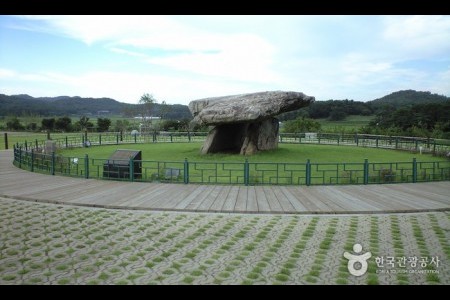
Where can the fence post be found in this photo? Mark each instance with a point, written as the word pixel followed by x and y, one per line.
pixel 37 144
pixel 396 143
pixel 338 140
pixel 100 139
pixel 26 146
pixel 246 172
pixel 356 140
pixel 434 147
pixel 117 139
pixel 20 157
pixel 6 141
pixel 376 142
pixel 86 166
pixel 416 144
pixel 135 138
pixel 189 136
pixel 366 171
pixel 131 169
pixel 186 171
pixel 414 170
pixel 53 163
pixel 32 160
pixel 320 135
pixel 171 138
pixel 308 172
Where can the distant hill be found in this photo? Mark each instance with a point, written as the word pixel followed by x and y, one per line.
pixel 408 98
pixel 77 106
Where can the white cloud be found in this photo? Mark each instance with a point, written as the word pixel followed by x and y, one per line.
pixel 5 73
pixel 190 57
pixel 241 56
pixel 122 86
pixel 245 58
pixel 441 84
pixel 417 36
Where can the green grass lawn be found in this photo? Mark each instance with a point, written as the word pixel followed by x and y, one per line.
pixel 286 165
pixel 20 137
pixel 330 164
pixel 348 125
pixel 289 153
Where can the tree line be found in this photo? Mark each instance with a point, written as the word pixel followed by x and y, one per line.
pixel 337 110
pixel 24 105
pixel 65 124
pixel 424 120
pixel 62 124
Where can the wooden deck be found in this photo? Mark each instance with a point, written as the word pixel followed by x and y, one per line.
pixel 19 184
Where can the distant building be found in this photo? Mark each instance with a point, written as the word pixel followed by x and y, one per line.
pixel 103 112
pixel 149 118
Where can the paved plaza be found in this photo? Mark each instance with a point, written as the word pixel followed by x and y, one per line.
pixel 60 244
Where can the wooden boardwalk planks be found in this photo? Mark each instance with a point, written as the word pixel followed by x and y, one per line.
pixel 20 184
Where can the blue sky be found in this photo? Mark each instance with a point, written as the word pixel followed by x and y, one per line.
pixel 183 58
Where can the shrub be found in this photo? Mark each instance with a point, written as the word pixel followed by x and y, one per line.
pixel 387 175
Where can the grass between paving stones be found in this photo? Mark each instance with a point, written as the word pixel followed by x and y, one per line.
pixel 247 248
pixel 398 247
pixel 48 244
pixel 424 251
pixel 232 243
pixel 343 273
pixel 201 247
pixel 178 247
pixel 256 273
pixel 372 277
pixel 324 247
pixel 440 234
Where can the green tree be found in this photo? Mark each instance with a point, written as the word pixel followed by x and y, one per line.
pixel 32 126
pixel 103 124
pixel 337 115
pixel 301 125
pixel 83 124
pixel 64 124
pixel 48 124
pixel 14 124
pixel 121 125
pixel 164 109
pixel 147 103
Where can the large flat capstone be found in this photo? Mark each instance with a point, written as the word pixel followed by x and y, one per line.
pixel 244 123
pixel 246 107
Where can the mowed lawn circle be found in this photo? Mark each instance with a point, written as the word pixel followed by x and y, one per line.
pixel 289 153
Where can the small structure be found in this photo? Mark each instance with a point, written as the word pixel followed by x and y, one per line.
pixel 118 164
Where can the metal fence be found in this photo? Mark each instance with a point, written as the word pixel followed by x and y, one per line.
pixel 424 145
pixel 29 155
